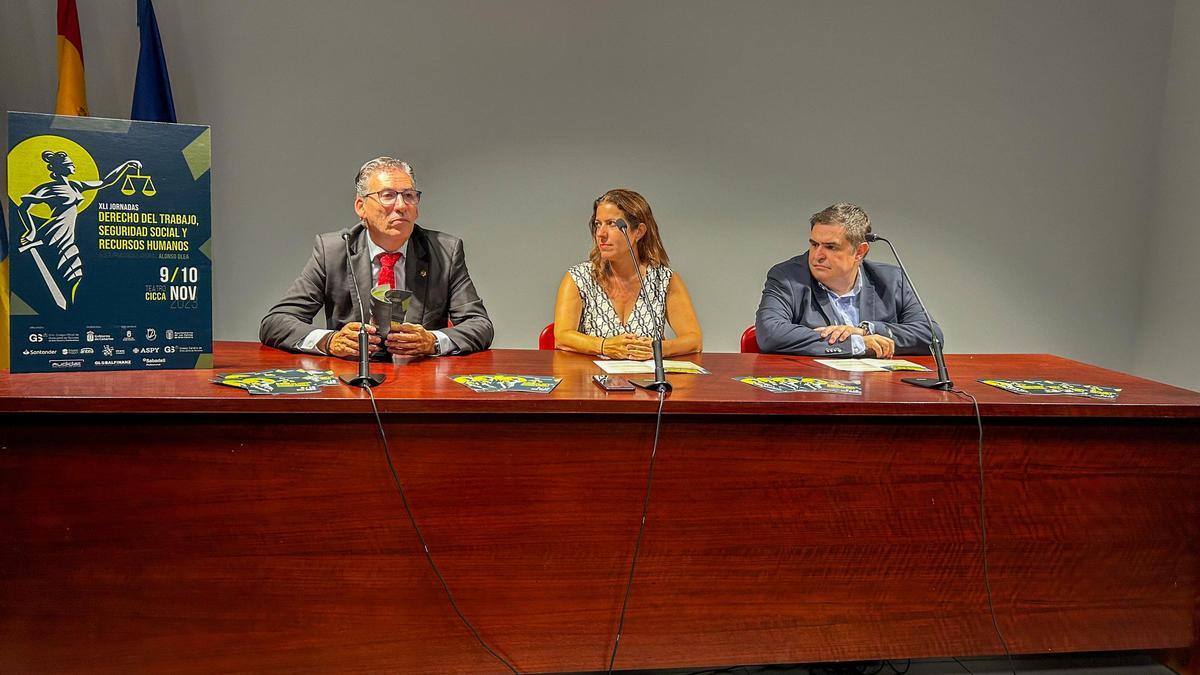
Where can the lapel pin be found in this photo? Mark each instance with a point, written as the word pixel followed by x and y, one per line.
pixel 423 273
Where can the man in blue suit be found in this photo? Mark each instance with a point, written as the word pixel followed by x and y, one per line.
pixel 832 302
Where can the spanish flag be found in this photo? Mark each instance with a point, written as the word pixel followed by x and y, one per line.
pixel 72 95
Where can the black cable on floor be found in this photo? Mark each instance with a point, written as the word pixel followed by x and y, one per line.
pixel 987 581
pixel 662 396
pixel 421 538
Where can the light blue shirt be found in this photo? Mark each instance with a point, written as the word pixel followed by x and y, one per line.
pixel 846 308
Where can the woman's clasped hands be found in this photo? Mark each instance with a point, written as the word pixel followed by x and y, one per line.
pixel 627 346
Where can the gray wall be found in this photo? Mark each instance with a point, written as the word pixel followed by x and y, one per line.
pixel 1169 318
pixel 1009 148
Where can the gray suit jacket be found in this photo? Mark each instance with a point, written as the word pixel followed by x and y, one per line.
pixel 793 305
pixel 435 271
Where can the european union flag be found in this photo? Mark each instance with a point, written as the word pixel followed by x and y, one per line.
pixel 152 100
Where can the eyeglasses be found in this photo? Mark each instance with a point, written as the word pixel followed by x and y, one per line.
pixel 389 197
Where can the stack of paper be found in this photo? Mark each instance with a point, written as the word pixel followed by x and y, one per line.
pixel 872 365
pixel 647 367
pixel 534 384
pixel 1055 388
pixel 800 385
pixel 280 381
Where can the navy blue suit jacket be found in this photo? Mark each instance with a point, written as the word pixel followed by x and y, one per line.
pixel 793 305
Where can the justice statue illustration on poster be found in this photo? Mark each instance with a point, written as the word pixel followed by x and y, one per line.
pixel 63 197
pixel 110 234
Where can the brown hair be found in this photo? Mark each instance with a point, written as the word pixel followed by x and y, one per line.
pixel 637 210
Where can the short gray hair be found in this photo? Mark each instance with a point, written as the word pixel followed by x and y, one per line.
pixel 849 216
pixel 375 166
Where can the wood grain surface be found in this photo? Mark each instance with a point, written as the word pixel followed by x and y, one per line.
pixel 424 385
pixel 154 522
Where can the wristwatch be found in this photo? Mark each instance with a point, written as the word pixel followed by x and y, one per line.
pixel 866 327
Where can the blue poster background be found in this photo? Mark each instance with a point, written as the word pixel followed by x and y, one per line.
pixel 110 226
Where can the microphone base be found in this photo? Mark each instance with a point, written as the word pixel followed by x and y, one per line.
pixel 652 385
pixel 367 381
pixel 928 382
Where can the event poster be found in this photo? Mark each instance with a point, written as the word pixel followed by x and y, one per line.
pixel 109 244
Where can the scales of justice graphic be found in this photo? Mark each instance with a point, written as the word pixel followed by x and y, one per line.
pixel 128 189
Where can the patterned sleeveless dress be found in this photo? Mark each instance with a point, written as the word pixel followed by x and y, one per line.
pixel 599 317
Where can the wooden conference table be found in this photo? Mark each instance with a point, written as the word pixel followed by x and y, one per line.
pixel 157 522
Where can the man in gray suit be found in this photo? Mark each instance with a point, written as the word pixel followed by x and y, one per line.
pixel 832 302
pixel 387 246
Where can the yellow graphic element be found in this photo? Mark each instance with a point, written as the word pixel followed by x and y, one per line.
pixel 1055 388
pixel 198 154
pixel 72 94
pixel 127 188
pixel 782 385
pixel 26 170
pixel 498 383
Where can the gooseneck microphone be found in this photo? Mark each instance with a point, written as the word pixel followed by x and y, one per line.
pixel 942 381
pixel 364 378
pixel 659 383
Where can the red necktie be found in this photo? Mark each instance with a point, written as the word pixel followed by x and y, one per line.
pixel 387 275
